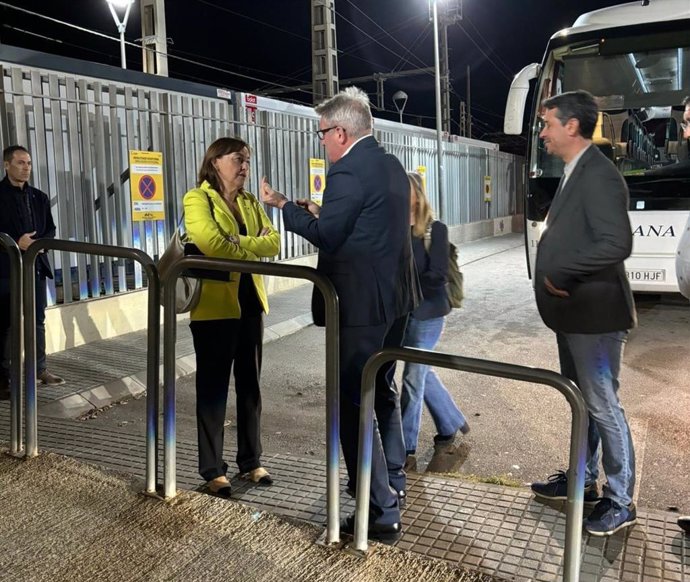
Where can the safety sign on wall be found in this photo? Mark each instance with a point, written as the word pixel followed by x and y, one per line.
pixel 146 185
pixel 317 179
pixel 251 103
pixel 487 188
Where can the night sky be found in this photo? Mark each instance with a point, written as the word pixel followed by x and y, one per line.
pixel 268 41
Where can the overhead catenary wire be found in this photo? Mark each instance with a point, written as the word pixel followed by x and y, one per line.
pixel 137 45
pixel 420 62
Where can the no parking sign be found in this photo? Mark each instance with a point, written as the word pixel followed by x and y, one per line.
pixel 146 185
pixel 317 179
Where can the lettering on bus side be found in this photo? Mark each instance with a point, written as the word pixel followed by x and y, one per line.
pixel 657 231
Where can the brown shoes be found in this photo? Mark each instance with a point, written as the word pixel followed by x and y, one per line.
pixel 259 475
pixel 49 379
pixel 220 487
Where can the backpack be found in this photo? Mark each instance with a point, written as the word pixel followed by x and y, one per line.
pixel 454 287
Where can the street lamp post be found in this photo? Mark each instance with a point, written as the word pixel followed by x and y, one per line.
pixel 121 24
pixel 439 121
pixel 399 100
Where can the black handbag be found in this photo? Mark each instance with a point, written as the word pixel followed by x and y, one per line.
pixel 191 250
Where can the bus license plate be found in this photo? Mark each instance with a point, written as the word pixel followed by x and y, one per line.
pixel 646 275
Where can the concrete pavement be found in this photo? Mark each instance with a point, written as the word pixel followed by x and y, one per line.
pixel 497 530
pixel 106 371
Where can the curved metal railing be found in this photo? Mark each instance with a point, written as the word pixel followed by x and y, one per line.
pixel 578 437
pixel 332 369
pixel 153 340
pixel 15 258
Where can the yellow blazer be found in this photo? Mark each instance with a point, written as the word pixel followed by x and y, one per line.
pixel 219 300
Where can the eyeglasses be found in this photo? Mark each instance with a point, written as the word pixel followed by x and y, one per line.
pixel 321 133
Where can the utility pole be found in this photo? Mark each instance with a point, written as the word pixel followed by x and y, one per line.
pixel 463 119
pixel 324 54
pixel 452 13
pixel 154 42
pixel 468 119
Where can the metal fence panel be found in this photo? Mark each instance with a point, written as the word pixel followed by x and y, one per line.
pixel 80 130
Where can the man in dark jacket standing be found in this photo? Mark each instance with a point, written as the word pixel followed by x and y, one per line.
pixel 583 295
pixel 25 216
pixel 362 233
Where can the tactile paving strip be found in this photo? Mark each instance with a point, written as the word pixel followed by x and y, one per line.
pixel 497 530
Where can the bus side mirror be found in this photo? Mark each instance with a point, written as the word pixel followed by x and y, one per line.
pixel 517 97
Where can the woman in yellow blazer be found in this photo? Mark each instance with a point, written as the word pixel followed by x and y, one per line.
pixel 225 221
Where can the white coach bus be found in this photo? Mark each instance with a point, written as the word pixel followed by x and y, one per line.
pixel 635 59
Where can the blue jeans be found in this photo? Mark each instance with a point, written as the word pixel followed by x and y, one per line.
pixel 422 385
pixel 593 362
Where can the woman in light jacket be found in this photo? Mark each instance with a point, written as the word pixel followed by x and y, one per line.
pixel 424 328
pixel 225 221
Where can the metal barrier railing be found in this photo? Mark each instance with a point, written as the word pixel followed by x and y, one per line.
pixel 153 340
pixel 332 369
pixel 578 437
pixel 15 258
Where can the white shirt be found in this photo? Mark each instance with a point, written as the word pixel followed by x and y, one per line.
pixel 354 143
pixel 570 166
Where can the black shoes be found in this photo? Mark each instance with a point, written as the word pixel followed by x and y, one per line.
pixel 386 533
pixel 402 496
pixel 449 439
pixel 684 523
pixel 556 488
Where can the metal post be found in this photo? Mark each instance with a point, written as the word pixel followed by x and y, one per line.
pixel 15 259
pixel 578 438
pixel 29 304
pixel 121 27
pixel 332 369
pixel 439 121
pixel 153 339
pixel 123 54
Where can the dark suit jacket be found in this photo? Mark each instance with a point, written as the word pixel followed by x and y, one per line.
pixel 582 249
pixel 12 222
pixel 363 237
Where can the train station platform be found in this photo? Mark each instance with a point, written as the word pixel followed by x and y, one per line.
pixel 66 519
pixel 75 513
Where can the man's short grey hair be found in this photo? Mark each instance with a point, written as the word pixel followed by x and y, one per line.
pixel 348 109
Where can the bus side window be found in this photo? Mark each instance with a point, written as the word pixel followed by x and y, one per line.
pixel 603 143
pixel 671 143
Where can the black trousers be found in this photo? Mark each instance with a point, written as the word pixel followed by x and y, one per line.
pixel 220 346
pixel 41 302
pixel 357 344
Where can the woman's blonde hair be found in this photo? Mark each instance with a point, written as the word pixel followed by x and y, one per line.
pixel 422 212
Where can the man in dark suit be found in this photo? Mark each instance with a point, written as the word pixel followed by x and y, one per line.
pixel 583 295
pixel 363 236
pixel 25 216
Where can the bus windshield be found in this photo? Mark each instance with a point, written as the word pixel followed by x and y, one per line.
pixel 639 83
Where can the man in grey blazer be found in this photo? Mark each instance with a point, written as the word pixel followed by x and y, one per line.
pixel 583 295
